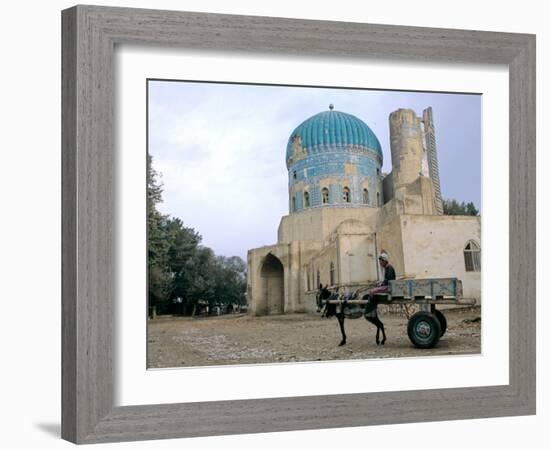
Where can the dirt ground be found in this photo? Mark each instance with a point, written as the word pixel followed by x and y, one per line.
pixel 241 339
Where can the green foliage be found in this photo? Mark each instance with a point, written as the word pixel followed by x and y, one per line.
pixel 159 278
pixel 454 208
pixel 181 271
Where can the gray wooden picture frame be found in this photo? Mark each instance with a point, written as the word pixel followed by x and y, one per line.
pixel 90 34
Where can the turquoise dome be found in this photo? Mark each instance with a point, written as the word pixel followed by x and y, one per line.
pixel 334 128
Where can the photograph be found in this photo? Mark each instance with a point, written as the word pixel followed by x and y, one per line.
pixel 259 225
pixel 277 212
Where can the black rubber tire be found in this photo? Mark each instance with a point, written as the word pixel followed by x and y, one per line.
pixel 424 329
pixel 442 321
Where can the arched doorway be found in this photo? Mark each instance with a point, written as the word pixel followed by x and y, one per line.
pixel 272 275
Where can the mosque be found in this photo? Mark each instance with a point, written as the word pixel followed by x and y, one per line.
pixel 343 211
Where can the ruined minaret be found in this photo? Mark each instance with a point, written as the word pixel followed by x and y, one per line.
pixel 429 137
pixel 407 149
pixel 413 190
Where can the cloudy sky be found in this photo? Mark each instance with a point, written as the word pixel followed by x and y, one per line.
pixel 221 150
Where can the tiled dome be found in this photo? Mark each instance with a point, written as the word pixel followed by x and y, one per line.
pixel 333 128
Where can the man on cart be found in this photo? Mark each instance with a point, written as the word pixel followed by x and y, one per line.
pixel 382 287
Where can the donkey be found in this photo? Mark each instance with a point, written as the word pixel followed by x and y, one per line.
pixel 341 312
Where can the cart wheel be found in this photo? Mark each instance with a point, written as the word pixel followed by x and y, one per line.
pixel 442 321
pixel 424 329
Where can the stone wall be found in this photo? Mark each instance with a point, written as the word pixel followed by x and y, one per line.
pixel 317 224
pixel 433 246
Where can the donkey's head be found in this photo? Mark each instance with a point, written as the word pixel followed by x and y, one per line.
pixel 325 295
pixel 322 295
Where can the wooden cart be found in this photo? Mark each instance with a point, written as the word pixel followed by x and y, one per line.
pixel 426 326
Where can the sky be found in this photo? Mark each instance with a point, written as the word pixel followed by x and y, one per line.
pixel 220 149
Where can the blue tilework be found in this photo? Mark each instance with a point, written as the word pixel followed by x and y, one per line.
pixel 330 141
pixel 330 128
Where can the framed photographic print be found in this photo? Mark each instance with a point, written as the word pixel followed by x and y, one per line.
pixel 237 190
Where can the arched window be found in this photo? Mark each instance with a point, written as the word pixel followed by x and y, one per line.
pixel 293 203
pixel 365 196
pixel 318 278
pixel 378 199
pixel 306 199
pixel 347 195
pixel 324 195
pixel 472 257
pixel 332 274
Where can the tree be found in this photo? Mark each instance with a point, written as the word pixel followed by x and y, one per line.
pixel 157 244
pixel 454 208
pixel 230 280
pixel 181 271
pixel 471 209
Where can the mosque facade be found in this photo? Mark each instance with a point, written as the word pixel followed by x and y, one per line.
pixel 343 211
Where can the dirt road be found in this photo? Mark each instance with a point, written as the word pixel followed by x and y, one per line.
pixel 232 339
